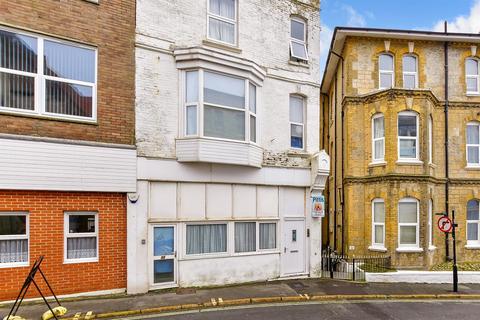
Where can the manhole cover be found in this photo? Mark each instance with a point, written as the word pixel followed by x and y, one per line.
pixel 185 291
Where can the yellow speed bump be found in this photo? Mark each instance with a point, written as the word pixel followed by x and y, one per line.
pixel 13 318
pixel 59 311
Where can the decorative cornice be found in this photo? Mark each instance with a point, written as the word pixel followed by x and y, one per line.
pixel 457 181
pixel 394 177
pixel 391 94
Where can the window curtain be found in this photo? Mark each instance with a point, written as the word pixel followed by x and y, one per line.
pixel 223 8
pixel 206 238
pixel 81 248
pixel 12 251
pixel 218 29
pixel 268 235
pixel 245 236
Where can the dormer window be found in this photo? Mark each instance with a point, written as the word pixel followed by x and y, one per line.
pixel 298 39
pixel 222 21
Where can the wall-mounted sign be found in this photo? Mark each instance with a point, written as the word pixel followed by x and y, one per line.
pixel 318 206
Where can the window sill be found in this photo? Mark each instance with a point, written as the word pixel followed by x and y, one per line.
pixel 409 162
pixel 201 256
pixel 221 45
pixel 14 265
pixel 298 153
pixel 472 94
pixel 432 248
pixel 377 164
pixel 211 150
pixel 377 249
pixel 47 117
pixel 81 261
pixel 472 167
pixel 93 1
pixel 299 64
pixel 472 246
pixel 410 250
pixel 256 253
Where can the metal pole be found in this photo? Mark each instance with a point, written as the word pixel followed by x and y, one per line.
pixel 353 266
pixel 455 269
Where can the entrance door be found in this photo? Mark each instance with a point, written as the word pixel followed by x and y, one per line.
pixel 293 253
pixel 164 256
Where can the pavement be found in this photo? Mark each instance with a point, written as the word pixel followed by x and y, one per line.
pixel 286 291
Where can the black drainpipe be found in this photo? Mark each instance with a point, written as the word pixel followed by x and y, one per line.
pixel 335 170
pixel 447 179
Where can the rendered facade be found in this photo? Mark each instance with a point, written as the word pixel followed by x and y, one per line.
pixel 388 96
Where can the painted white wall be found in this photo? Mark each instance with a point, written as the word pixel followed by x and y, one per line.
pixel 65 166
pixel 423 277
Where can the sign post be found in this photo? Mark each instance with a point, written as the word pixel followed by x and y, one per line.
pixel 446 225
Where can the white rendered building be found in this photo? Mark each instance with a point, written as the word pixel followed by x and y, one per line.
pixel 227 131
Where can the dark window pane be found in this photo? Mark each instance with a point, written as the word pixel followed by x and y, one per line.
pixel 473 210
pixel 69 99
pixel 296 138
pixel 13 225
pixel 70 62
pixel 407 126
pixel 163 271
pixel 18 52
pixel 17 91
pixel 81 223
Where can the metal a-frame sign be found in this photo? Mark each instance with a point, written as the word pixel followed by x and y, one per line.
pixel 26 285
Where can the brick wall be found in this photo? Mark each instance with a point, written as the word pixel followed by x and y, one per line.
pixel 109 25
pixel 46 214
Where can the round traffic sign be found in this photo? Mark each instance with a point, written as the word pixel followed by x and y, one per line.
pixel 445 224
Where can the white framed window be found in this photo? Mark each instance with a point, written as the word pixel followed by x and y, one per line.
pixel 473 144
pixel 473 223
pixel 378 223
pixel 378 137
pixel 47 77
pixel 220 106
pixel 81 237
pixel 246 239
pixel 472 76
pixel 222 21
pixel 385 71
pixel 297 119
pixel 206 238
pixel 430 223
pixel 14 239
pixel 408 228
pixel 430 139
pixel 410 71
pixel 408 136
pixel 298 39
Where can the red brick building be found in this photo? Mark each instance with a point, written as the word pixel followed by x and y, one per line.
pixel 67 155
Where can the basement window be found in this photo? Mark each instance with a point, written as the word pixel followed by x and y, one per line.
pixel 14 240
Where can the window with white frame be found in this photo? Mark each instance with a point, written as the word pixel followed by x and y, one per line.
pixel 472 76
pixel 220 106
pixel 473 223
pixel 378 223
pixel 81 236
pixel 410 73
pixel 408 229
pixel 222 21
pixel 385 70
pixel 407 135
pixel 297 111
pixel 206 238
pixel 430 139
pixel 246 239
pixel 14 231
pixel 430 223
pixel 46 76
pixel 298 39
pixel 378 137
pixel 473 144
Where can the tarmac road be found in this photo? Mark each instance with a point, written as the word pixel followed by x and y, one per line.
pixel 364 310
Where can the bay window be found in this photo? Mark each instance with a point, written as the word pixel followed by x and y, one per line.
pixel 14 244
pixel 378 223
pixel 408 227
pixel 298 39
pixel 222 21
pixel 473 144
pixel 472 76
pixel 46 76
pixel 297 122
pixel 407 136
pixel 81 237
pixel 473 223
pixel 219 106
pixel 378 137
pixel 385 71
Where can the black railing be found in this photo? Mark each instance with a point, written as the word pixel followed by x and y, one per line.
pixel 337 266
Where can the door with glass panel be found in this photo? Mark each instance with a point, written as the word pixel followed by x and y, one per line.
pixel 164 262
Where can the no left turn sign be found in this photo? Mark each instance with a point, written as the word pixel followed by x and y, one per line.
pixel 445 224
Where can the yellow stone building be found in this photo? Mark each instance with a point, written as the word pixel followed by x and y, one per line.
pixel 385 105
